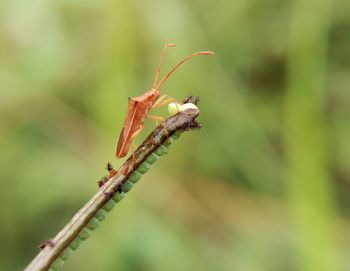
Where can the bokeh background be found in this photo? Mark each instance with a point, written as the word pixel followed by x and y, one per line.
pixel 263 186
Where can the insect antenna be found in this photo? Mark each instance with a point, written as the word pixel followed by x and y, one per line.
pixel 157 86
pixel 161 62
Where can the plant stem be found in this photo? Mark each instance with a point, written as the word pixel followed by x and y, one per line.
pixel 54 250
pixel 309 184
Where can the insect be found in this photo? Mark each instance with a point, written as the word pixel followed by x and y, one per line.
pixel 140 106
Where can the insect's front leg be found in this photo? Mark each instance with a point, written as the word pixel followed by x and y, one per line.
pixel 163 100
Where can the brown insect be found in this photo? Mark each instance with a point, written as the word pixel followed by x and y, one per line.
pixel 141 105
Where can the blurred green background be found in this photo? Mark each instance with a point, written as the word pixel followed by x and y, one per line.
pixel 263 186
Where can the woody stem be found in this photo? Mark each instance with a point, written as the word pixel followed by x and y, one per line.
pixel 52 254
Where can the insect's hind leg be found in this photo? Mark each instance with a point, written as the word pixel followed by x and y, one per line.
pixel 133 147
pixel 157 119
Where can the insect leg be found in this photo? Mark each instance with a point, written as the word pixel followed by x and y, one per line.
pixel 167 101
pixel 133 148
pixel 156 118
pixel 135 134
pixel 160 100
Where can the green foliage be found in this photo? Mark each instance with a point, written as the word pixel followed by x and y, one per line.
pixel 86 232
pixel 263 186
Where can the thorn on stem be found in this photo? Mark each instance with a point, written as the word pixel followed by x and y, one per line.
pixel 109 167
pixel 109 195
pixel 102 181
pixel 48 242
pixel 111 170
pixel 119 187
